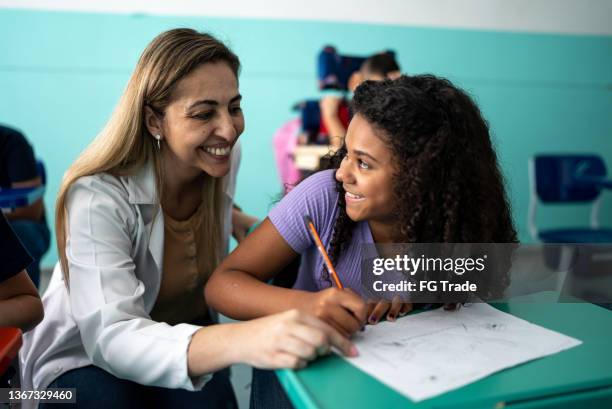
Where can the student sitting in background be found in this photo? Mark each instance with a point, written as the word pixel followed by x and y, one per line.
pixel 417 166
pixel 376 68
pixel 18 170
pixel 20 304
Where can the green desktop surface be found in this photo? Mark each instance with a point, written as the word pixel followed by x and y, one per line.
pixel 578 377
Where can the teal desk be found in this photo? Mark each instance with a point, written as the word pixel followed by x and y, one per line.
pixel 578 377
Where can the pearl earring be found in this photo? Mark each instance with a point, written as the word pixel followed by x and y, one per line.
pixel 158 137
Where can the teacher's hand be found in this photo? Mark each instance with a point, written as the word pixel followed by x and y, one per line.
pixel 241 223
pixel 290 340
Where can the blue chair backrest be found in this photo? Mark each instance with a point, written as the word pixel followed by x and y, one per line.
pixel 334 70
pixel 311 116
pixel 14 198
pixel 562 178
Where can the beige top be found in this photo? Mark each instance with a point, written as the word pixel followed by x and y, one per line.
pixel 181 294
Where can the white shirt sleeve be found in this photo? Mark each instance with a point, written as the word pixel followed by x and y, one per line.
pixel 106 296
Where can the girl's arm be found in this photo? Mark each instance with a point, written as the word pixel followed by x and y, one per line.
pixel 329 106
pixel 238 288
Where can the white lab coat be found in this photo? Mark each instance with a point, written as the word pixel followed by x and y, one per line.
pixel 115 254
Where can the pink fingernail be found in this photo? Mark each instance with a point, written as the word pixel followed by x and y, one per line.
pixel 353 351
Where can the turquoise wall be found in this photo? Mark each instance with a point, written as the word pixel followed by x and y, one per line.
pixel 61 74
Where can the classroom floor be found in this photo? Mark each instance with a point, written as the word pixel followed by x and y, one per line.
pixel 241 374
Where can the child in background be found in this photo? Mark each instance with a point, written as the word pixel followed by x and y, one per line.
pixel 18 169
pixel 333 108
pixel 417 166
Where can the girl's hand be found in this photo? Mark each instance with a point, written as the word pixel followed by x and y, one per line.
pixel 342 309
pixel 377 310
pixel 290 340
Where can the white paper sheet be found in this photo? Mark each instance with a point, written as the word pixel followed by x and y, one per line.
pixel 430 353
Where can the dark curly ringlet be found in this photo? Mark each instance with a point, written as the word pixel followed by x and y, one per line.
pixel 448 186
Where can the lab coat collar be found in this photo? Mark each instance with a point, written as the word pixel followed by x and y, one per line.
pixel 142 191
pixel 142 187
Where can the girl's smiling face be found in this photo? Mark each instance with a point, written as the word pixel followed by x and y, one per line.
pixel 366 174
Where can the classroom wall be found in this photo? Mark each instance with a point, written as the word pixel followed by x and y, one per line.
pixel 61 74
pixel 534 16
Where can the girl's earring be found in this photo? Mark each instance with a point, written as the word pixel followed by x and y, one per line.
pixel 158 137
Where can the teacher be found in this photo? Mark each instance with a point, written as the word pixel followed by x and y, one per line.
pixel 143 217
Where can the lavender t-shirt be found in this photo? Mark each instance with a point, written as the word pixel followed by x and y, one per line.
pixel 317 197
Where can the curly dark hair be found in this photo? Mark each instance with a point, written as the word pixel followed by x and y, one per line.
pixel 448 187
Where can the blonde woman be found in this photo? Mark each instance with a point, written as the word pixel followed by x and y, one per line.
pixel 143 217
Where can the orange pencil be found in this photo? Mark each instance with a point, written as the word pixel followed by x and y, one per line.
pixel 326 259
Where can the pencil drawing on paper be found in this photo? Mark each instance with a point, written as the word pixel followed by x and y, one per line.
pixel 433 352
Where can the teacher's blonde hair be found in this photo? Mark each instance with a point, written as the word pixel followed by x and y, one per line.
pixel 125 145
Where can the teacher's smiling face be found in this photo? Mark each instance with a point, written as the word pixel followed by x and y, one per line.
pixel 202 122
pixel 366 173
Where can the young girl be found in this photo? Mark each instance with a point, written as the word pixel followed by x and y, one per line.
pixel 143 217
pixel 417 167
